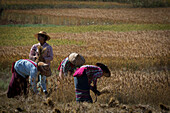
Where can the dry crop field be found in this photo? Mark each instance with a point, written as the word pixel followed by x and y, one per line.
pixel 139 61
pixel 89 16
pixel 133 42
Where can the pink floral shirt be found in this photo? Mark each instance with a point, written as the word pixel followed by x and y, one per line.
pixel 92 72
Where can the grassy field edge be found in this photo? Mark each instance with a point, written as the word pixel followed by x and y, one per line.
pixel 78 29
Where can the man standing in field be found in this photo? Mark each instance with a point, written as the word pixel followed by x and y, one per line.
pixel 47 56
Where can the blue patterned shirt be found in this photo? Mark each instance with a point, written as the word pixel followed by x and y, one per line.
pixel 25 68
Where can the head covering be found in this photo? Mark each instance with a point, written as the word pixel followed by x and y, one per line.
pixel 104 68
pixel 42 33
pixel 45 69
pixel 76 59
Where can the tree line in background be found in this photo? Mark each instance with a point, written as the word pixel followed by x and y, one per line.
pixel 137 3
pixel 5 4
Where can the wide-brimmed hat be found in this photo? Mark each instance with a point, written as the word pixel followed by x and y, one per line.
pixel 42 33
pixel 45 69
pixel 105 69
pixel 76 59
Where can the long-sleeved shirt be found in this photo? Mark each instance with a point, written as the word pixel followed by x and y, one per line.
pixel 92 72
pixel 25 68
pixel 47 55
pixel 67 66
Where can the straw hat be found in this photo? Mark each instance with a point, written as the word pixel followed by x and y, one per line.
pixel 76 59
pixel 42 33
pixel 44 69
pixel 105 69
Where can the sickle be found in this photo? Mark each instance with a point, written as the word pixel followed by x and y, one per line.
pixel 95 98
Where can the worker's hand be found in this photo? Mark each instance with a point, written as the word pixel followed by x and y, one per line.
pixel 94 89
pixel 70 73
pixel 97 93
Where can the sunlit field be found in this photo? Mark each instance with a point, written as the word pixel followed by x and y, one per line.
pixel 88 16
pixel 133 42
pixel 139 61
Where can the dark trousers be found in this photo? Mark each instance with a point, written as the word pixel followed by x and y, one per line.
pixel 17 85
pixel 82 89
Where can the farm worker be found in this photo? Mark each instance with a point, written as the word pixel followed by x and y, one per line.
pixel 69 64
pixel 21 71
pixel 47 55
pixel 84 76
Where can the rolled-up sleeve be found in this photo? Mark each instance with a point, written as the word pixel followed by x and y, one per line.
pixel 95 76
pixel 93 73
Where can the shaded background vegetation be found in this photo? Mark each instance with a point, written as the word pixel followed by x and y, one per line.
pixel 29 4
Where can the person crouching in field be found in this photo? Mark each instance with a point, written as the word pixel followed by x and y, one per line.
pixel 21 71
pixel 84 76
pixel 69 64
pixel 47 55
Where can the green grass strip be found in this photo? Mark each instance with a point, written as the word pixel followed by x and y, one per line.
pixel 91 28
pixel 22 35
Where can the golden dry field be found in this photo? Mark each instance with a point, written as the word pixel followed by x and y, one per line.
pixel 133 42
pixel 89 16
pixel 147 52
